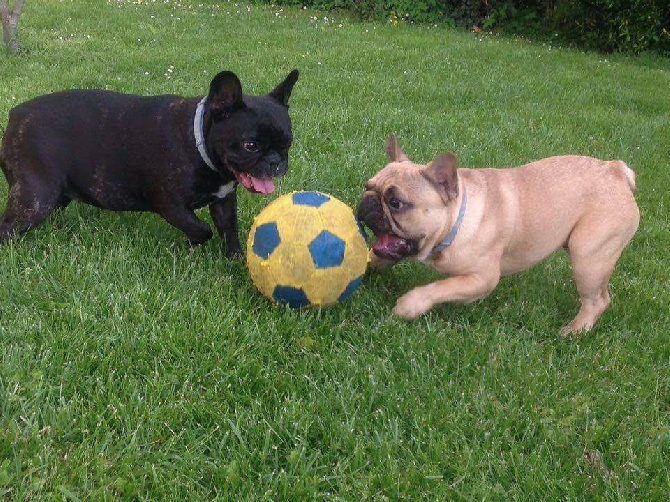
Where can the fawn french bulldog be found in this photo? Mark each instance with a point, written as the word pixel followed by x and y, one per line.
pixel 476 225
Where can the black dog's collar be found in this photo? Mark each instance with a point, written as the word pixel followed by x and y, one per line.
pixel 454 230
pixel 197 132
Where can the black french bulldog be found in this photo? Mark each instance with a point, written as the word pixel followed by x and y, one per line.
pixel 166 154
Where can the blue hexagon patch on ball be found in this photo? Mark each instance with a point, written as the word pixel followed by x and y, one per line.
pixel 294 297
pixel 266 240
pixel 327 250
pixel 313 199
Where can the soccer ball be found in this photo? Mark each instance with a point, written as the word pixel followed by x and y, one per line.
pixel 307 249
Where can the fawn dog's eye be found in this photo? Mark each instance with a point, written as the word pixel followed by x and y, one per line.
pixel 396 203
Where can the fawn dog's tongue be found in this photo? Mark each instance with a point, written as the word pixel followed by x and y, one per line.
pixel 390 246
pixel 256 185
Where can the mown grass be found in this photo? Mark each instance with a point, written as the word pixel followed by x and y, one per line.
pixel 135 367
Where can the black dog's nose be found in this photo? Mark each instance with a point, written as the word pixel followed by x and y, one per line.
pixel 276 165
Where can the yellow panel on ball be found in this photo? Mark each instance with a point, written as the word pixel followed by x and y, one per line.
pixel 307 249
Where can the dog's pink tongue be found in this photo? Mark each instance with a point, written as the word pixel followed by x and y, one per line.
pixel 260 185
pixel 389 246
pixel 263 185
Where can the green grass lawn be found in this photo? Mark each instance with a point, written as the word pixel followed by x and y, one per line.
pixel 133 366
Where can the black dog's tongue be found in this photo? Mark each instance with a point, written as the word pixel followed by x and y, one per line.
pixel 258 185
pixel 390 247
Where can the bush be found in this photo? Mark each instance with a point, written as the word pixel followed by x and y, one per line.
pixel 605 25
pixel 615 25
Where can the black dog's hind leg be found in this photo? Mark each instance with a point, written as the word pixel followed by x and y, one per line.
pixel 224 214
pixel 26 208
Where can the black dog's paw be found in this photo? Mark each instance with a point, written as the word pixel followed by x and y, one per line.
pixel 200 235
pixel 235 253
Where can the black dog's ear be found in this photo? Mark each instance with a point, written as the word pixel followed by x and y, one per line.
pixel 443 173
pixel 225 93
pixel 393 150
pixel 282 92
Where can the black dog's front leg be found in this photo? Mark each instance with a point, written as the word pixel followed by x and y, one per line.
pixel 224 214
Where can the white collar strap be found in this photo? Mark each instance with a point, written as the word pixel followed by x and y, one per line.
pixel 457 225
pixel 197 131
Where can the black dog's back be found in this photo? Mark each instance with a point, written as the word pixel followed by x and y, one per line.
pixel 77 139
pixel 94 123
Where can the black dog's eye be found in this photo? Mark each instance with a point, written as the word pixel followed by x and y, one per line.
pixel 250 146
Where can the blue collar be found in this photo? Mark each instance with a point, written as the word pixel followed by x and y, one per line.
pixel 457 225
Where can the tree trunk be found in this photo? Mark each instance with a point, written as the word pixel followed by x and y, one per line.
pixel 10 22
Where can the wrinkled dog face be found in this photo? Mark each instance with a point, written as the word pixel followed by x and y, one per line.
pixel 250 135
pixel 405 203
pixel 389 212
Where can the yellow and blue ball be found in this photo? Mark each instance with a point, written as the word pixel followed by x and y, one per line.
pixel 307 249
